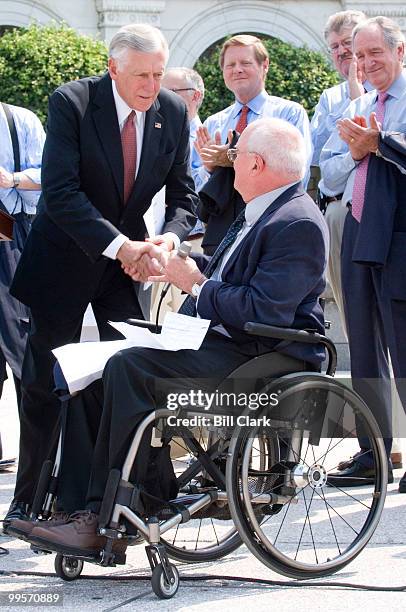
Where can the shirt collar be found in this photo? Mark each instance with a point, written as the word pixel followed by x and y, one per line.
pixel 398 87
pixel 122 108
pixel 255 104
pixel 256 207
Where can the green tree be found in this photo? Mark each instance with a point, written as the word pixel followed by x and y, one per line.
pixel 295 73
pixel 36 60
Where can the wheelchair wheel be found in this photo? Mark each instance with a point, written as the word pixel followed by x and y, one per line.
pixel 307 529
pixel 68 568
pixel 161 586
pixel 209 534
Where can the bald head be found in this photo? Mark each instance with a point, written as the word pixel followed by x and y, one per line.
pixel 271 154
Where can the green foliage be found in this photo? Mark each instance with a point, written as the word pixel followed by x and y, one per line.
pixel 295 73
pixel 36 60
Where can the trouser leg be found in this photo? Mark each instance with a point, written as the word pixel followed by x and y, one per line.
pixel 40 407
pixel 137 381
pixel 366 337
pixel 335 216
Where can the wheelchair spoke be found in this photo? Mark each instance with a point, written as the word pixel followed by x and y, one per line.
pixel 215 532
pixel 323 457
pixel 348 434
pixel 176 533
pixel 304 525
pixel 338 514
pixel 331 522
pixel 351 496
pixel 198 533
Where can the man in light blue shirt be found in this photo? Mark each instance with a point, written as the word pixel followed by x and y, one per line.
pixel 373 291
pixel 244 62
pixel 19 193
pixel 332 105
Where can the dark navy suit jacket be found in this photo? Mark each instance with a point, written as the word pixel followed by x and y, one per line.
pixel 275 276
pixel 381 239
pixel 81 209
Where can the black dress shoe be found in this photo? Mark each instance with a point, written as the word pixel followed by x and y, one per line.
pixel 402 484
pixel 18 510
pixel 356 475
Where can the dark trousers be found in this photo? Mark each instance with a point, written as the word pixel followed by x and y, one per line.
pixel 372 329
pixel 135 382
pixel 114 299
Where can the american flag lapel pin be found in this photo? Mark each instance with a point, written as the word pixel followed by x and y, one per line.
pixel 158 125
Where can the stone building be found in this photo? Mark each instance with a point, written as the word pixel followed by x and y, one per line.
pixel 191 26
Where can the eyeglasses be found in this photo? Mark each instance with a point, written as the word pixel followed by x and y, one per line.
pixel 346 44
pixel 182 89
pixel 232 154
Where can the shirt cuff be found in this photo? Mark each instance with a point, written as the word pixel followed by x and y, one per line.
pixel 200 292
pixel 113 248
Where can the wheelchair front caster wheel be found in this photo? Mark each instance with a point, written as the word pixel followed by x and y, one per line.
pixel 161 587
pixel 68 568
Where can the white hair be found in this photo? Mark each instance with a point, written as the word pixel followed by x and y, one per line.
pixel 140 37
pixel 281 146
pixel 392 34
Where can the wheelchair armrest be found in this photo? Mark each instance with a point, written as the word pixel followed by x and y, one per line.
pixel 296 335
pixel 147 324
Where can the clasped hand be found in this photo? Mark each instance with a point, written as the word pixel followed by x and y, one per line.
pixel 360 138
pixel 141 259
pixel 211 151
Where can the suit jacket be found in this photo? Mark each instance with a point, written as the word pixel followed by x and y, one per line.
pixel 219 204
pixel 275 276
pixel 381 238
pixel 81 209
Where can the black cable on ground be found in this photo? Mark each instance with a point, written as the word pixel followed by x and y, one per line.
pixel 210 577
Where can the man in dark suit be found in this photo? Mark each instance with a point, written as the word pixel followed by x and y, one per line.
pixel 374 239
pixel 112 143
pixel 270 269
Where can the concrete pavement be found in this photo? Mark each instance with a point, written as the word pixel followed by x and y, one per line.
pixel 382 563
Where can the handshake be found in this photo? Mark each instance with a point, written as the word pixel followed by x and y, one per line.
pixel 156 260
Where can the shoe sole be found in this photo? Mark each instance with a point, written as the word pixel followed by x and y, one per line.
pixel 70 551
pixel 18 533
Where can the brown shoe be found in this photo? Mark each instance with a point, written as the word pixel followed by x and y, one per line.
pixel 78 537
pixel 22 529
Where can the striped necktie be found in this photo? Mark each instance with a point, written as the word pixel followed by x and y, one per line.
pixel 358 192
pixel 189 305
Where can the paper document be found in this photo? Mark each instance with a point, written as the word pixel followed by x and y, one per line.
pixel 154 219
pixel 84 363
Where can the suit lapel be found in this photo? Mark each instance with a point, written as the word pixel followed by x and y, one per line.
pixel 108 130
pixel 154 126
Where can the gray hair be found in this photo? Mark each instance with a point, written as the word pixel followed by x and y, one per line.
pixel 140 37
pixel 191 78
pixel 392 34
pixel 343 19
pixel 281 146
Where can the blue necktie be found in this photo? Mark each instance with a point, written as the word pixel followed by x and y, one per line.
pixel 189 305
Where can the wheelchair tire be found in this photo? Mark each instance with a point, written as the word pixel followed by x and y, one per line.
pixel 295 539
pixel 161 586
pixel 68 568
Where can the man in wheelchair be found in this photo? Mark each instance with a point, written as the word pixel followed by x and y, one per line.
pixel 268 269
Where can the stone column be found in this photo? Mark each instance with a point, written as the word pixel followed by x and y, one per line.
pixel 113 14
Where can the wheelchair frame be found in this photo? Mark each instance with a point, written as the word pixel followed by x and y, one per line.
pixel 119 499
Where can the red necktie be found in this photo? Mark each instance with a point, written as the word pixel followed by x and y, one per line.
pixel 129 145
pixel 358 192
pixel 242 121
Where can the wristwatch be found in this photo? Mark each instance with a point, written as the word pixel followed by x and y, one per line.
pixel 16 179
pixel 196 288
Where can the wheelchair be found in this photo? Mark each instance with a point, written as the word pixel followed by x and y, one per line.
pixel 260 480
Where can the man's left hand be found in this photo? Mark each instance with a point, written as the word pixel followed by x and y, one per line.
pixel 179 271
pixel 165 241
